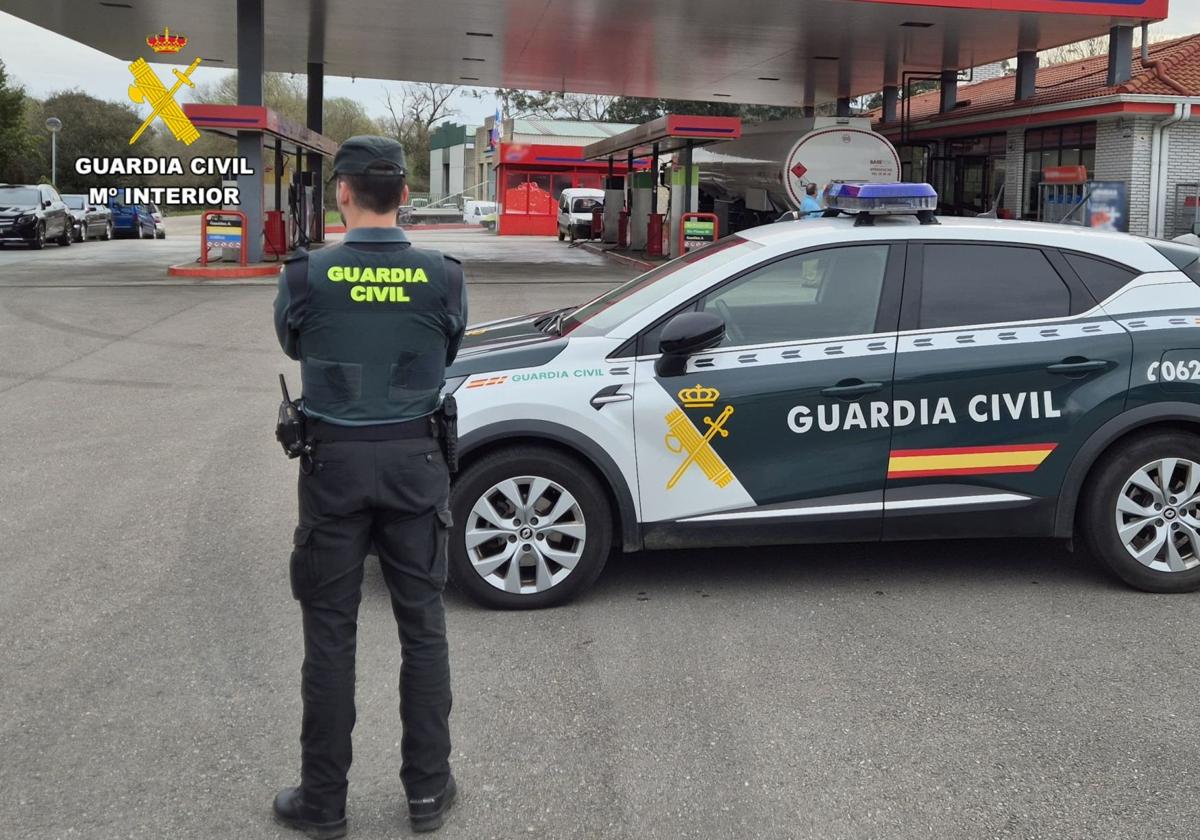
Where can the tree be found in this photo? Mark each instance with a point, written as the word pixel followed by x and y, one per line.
pixel 631 109
pixel 16 144
pixel 1089 48
pixel 93 128
pixel 411 117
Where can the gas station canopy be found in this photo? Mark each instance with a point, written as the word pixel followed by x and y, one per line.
pixel 670 133
pixel 781 52
pixel 230 119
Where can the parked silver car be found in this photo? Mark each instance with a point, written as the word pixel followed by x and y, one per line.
pixel 88 221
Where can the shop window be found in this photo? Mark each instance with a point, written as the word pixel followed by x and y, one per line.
pixel 1070 145
pixel 528 194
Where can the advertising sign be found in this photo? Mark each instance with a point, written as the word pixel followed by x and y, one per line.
pixel 697 230
pixel 1141 9
pixel 223 232
pixel 1108 206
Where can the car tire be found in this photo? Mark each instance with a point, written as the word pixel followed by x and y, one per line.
pixel 68 236
pixel 83 232
pixel 108 231
pixel 141 234
pixel 1132 487
pixel 39 237
pixel 546 480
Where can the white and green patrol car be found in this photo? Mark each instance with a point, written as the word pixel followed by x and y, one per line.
pixel 837 381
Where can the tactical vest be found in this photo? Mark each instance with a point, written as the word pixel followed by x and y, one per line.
pixel 373 330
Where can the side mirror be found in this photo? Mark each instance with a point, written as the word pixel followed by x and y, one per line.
pixel 687 333
pixel 46 204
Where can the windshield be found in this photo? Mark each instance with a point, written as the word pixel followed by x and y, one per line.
pixel 616 305
pixel 75 202
pixel 17 195
pixel 586 205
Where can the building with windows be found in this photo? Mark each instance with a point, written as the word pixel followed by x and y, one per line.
pixel 993 148
pixel 452 163
pixel 527 163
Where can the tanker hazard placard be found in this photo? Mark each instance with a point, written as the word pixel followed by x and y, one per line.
pixel 837 152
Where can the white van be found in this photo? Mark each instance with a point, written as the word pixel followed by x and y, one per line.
pixel 575 208
pixel 474 211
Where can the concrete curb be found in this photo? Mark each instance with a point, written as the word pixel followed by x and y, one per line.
pixel 626 259
pixel 223 272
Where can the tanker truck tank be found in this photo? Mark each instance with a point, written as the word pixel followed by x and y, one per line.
pixel 762 175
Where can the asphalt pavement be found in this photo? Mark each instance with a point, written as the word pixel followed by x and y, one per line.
pixel 150 648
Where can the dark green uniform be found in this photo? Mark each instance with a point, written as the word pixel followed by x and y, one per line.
pixel 373 322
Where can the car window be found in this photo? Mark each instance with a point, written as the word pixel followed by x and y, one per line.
pixel 75 202
pixel 819 294
pixel 989 284
pixel 1103 279
pixel 587 205
pixel 18 196
pixel 615 306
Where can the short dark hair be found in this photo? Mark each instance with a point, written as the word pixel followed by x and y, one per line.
pixel 376 193
pixel 811 189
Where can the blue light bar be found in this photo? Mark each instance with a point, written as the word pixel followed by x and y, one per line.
pixel 882 199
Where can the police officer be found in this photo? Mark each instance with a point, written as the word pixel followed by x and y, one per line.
pixel 373 323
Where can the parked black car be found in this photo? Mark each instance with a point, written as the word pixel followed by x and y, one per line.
pixel 88 220
pixel 32 214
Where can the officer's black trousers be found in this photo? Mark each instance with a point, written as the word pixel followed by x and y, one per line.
pixel 394 494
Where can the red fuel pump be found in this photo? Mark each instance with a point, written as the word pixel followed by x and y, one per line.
pixel 654 234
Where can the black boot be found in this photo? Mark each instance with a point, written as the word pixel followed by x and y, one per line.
pixel 323 824
pixel 429 813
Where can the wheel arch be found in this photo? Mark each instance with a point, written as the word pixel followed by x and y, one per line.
pixel 1165 416
pixel 476 444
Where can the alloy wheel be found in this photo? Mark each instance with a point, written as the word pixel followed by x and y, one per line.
pixel 1158 515
pixel 525 534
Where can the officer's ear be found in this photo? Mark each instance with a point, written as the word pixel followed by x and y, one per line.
pixel 344 197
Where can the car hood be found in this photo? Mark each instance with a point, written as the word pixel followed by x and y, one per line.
pixel 16 210
pixel 508 343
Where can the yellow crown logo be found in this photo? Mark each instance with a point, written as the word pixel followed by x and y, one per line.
pixel 166 42
pixel 699 397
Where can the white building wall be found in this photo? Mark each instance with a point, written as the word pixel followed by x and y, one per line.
pixel 1014 173
pixel 1183 167
pixel 437 185
pixel 457 161
pixel 1123 154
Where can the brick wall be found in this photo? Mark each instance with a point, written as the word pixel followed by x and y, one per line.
pixel 1123 154
pixel 1014 173
pixel 1183 167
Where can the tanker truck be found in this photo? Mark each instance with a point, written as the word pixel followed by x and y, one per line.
pixel 762 175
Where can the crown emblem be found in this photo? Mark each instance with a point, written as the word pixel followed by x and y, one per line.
pixel 699 397
pixel 166 42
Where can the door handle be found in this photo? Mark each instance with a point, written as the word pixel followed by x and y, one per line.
pixel 1078 367
pixel 851 389
pixel 609 394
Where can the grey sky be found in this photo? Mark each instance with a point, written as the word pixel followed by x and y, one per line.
pixel 25 49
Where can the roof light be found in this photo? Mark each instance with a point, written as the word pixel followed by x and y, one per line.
pixel 866 200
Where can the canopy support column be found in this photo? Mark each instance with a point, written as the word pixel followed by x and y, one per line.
pixel 251 50
pixel 316 122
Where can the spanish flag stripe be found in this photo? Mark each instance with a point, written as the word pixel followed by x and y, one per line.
pixel 972 450
pixel 904 473
pixel 968 460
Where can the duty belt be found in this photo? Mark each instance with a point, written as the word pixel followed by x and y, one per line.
pixel 421 427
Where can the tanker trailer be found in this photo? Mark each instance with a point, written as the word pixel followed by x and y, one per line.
pixel 762 175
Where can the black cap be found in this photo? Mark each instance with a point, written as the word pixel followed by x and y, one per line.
pixel 369 154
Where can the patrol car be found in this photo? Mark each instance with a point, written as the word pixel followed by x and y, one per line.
pixel 839 380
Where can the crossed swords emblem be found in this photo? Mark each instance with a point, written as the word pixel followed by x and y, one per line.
pixel 682 436
pixel 147 87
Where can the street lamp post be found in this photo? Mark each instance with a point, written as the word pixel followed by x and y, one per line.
pixel 54 125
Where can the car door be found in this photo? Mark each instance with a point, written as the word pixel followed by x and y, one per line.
pixel 778 430
pixel 55 216
pixel 1005 366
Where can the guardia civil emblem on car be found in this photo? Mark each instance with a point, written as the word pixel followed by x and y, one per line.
pixel 884 374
